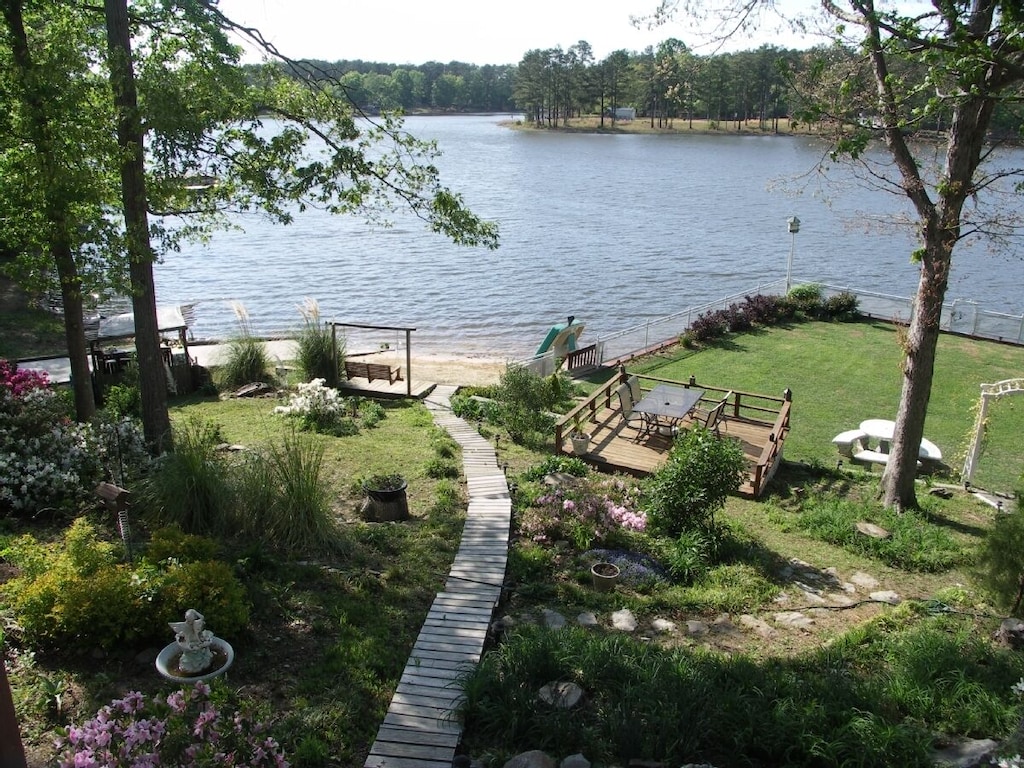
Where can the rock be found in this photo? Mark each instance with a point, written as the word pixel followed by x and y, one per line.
pixel 942 493
pixel 563 695
pixel 794 620
pixel 561 480
pixel 587 619
pixel 624 620
pixel 872 530
pixel 1011 633
pixel 864 581
pixel 762 628
pixel 966 754
pixel 533 759
pixel 694 627
pixel 663 625
pixel 575 761
pixel 886 596
pixel 553 619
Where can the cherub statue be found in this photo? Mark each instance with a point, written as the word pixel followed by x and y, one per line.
pixel 194 642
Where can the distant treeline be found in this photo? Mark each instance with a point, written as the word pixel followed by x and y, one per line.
pixel 663 84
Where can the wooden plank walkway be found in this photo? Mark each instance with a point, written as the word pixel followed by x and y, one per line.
pixel 419 730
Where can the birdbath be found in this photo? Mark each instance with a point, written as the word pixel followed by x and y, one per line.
pixel 196 653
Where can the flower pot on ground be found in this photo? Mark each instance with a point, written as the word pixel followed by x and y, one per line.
pixel 385 498
pixel 580 442
pixel 604 576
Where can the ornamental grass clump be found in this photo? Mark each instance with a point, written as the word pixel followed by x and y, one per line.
pixel 187 729
pixel 320 352
pixel 247 361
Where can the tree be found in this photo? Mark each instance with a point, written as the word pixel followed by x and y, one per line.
pixel 203 118
pixel 965 58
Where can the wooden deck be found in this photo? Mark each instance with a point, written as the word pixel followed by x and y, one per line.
pixel 382 388
pixel 614 447
pixel 759 422
pixel 419 730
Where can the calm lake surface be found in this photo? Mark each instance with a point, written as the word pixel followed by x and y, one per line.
pixel 612 229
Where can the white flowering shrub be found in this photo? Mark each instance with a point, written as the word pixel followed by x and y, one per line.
pixel 319 408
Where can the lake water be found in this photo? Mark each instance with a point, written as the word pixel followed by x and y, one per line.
pixel 614 229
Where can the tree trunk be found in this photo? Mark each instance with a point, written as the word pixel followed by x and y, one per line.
pixel 152 381
pixel 41 135
pixel 919 349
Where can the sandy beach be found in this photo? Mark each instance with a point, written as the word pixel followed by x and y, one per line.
pixel 439 369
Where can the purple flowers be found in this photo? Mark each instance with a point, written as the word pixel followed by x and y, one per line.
pixel 585 515
pixel 185 730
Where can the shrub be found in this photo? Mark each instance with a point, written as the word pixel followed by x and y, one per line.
pixel 842 306
pixel 805 299
pixel 47 462
pixel 708 326
pixel 438 467
pixel 77 593
pixel 569 465
pixel 171 542
pixel 123 401
pixel 321 353
pixel 701 471
pixel 247 359
pixel 762 309
pixel 1001 560
pixel 191 485
pixel 186 729
pixel 586 515
pixel 319 408
pixel 523 399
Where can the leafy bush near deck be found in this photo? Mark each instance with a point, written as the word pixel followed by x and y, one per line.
pixel 701 471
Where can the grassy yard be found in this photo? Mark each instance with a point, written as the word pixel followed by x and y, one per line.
pixel 843 373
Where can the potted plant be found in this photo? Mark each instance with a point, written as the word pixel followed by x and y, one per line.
pixel 580 441
pixel 604 576
pixel 385 497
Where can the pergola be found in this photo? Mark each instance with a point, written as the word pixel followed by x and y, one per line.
pixel 408 344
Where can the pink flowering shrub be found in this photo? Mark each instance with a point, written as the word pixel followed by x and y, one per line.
pixel 590 514
pixel 17 382
pixel 186 729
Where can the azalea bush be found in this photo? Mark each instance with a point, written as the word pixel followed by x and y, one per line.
pixel 588 514
pixel 48 461
pixel 188 728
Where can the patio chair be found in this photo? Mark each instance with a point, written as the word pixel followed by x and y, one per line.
pixel 634 389
pixel 714 418
pixel 631 419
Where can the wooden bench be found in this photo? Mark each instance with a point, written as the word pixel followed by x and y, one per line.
pixel 370 371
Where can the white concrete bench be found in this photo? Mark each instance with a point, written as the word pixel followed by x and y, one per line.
pixel 929 451
pixel 849 441
pixel 871 457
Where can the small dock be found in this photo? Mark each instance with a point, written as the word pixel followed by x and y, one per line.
pixel 420 730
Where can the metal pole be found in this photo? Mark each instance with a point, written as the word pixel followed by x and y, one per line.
pixel 789 265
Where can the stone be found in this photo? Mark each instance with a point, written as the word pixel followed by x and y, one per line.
pixel 864 581
pixel 624 620
pixel 872 530
pixel 942 493
pixel 535 758
pixel 587 619
pixel 663 626
pixel 563 695
pixel 886 596
pixel 966 754
pixel 1011 633
pixel 694 627
pixel 575 761
pixel 553 619
pixel 759 626
pixel 794 620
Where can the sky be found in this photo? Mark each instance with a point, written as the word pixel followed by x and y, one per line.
pixel 471 31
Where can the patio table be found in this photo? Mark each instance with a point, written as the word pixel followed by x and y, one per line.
pixel 669 402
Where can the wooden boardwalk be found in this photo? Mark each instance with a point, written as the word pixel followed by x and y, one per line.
pixel 419 730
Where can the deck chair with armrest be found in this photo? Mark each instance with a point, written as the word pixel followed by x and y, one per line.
pixel 630 418
pixel 714 417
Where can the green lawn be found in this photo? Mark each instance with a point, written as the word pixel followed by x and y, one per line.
pixel 843 373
